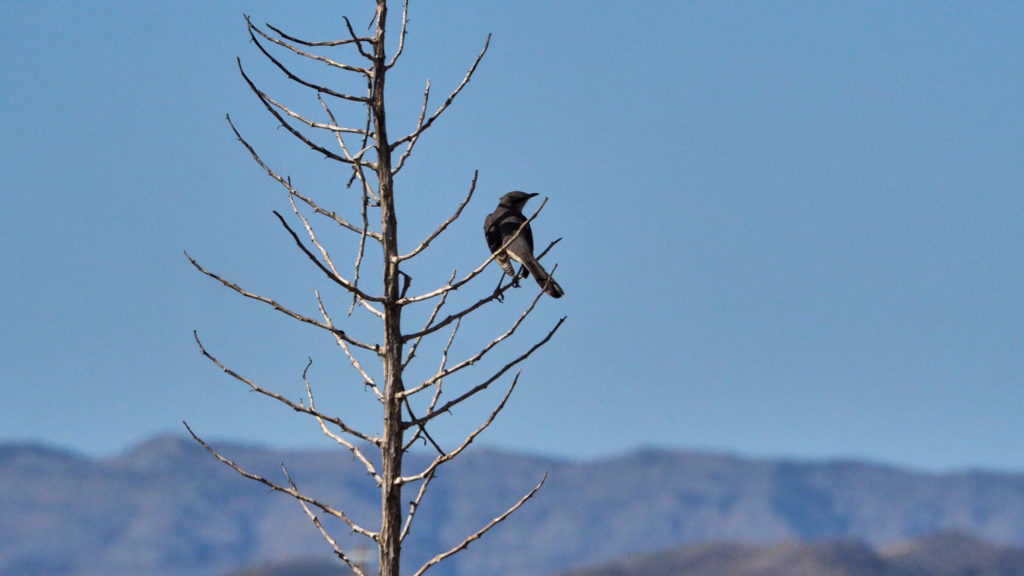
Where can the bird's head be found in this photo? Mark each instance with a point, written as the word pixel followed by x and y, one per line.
pixel 516 199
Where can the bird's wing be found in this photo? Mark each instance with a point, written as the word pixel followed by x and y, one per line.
pixel 510 224
pixel 493 232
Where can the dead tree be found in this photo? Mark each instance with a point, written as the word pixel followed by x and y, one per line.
pixel 371 158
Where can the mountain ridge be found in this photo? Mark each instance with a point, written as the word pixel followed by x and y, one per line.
pixel 166 507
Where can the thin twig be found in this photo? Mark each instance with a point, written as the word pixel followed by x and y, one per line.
pixel 293 405
pixel 356 569
pixel 334 277
pixel 465 543
pixel 287 185
pixel 270 106
pixel 316 57
pixel 433 314
pixel 316 44
pixel 440 229
pixel 414 136
pixel 445 372
pixel 284 310
pixel 445 457
pixel 285 490
pixel 337 438
pixel 447 406
pixel 415 504
pixel 401 35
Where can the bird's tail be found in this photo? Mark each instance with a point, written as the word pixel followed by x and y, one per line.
pixel 551 288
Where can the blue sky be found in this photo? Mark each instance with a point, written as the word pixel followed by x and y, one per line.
pixel 789 229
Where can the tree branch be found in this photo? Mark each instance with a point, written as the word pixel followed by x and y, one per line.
pixel 316 57
pixel 327 432
pixel 356 569
pixel 294 406
pixel 414 136
pixel 446 407
pixel 445 372
pixel 445 457
pixel 285 490
pixel 351 40
pixel 334 277
pixel 292 191
pixel 286 311
pixel 440 229
pixel 269 104
pixel 465 543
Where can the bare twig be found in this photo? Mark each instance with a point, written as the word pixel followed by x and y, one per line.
pixel 284 310
pixel 415 504
pixel 293 405
pixel 496 295
pixel 356 569
pixel 367 380
pixel 447 406
pixel 414 136
pixel 287 185
pixel 316 57
pixel 445 372
pixel 270 105
pixel 351 40
pixel 476 535
pixel 440 229
pixel 445 457
pixel 334 277
pixel 312 236
pixel 433 314
pixel 337 438
pixel 401 35
pixel 283 489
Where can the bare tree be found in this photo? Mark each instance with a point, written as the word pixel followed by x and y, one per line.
pixel 372 158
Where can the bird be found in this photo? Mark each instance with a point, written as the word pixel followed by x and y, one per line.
pixel 501 225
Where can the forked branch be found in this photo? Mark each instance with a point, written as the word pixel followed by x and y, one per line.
pixel 447 406
pixel 422 126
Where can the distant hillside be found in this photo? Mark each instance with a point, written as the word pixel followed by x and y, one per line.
pixel 166 508
pixel 943 555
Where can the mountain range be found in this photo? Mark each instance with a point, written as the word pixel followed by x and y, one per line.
pixel 167 508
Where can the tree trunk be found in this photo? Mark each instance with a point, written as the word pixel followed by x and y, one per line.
pixel 391 450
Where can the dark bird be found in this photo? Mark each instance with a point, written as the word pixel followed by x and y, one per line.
pixel 501 225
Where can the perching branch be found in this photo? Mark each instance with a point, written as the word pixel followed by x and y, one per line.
pixel 475 272
pixel 475 306
pixel 445 372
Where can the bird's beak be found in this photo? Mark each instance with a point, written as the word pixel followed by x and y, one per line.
pixel 532 194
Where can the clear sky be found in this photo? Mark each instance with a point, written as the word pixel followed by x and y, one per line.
pixel 789 228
